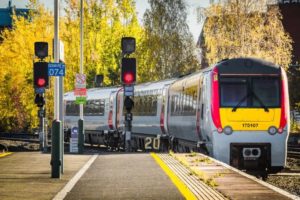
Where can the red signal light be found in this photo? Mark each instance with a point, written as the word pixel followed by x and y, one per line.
pixel 128 78
pixel 40 75
pixel 41 82
pixel 128 71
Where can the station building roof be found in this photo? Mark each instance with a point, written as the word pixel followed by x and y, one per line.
pixel 6 14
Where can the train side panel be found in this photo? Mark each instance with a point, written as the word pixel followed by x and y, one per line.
pixel 183 109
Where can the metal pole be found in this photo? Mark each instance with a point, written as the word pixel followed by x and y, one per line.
pixel 55 150
pixel 56 58
pixel 81 49
pixel 45 134
pixel 81 120
pixel 41 130
pixel 128 126
pixel 56 155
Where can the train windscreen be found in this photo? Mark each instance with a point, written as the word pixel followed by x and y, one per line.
pixel 250 92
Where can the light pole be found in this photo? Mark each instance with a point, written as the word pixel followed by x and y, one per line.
pixel 80 121
pixel 56 154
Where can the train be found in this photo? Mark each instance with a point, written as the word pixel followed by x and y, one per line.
pixel 236 111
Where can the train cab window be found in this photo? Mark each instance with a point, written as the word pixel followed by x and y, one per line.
pixel 232 91
pixel 267 91
pixel 252 92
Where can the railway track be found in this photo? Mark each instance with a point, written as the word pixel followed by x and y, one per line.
pixel 22 137
pixel 293 150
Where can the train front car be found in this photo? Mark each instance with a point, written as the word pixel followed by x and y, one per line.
pixel 249 110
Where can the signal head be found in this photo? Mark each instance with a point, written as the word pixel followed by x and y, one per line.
pixel 128 72
pixel 40 75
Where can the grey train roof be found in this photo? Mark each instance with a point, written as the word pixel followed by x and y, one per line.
pixel 247 66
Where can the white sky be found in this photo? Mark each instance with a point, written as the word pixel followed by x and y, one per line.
pixel 141 5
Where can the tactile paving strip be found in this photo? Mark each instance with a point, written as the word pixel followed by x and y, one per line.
pixel 199 188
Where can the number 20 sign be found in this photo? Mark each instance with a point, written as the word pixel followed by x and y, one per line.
pixel 56 69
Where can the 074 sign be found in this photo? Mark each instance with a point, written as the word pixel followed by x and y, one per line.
pixel 56 69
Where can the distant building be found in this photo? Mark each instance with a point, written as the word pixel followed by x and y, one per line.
pixel 6 14
pixel 290 10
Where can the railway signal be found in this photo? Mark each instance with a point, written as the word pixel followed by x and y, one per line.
pixel 39 100
pixel 41 50
pixel 129 104
pixel 128 78
pixel 128 72
pixel 40 75
pixel 40 83
pixel 128 45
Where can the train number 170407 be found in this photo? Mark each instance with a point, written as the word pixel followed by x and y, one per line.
pixel 250 125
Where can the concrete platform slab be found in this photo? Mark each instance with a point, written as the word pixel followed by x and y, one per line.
pixel 27 175
pixel 124 176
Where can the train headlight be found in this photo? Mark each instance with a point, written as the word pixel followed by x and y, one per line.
pixel 220 130
pixel 228 130
pixel 272 130
pixel 246 152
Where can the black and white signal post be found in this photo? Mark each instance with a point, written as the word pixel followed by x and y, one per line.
pixel 128 78
pixel 40 83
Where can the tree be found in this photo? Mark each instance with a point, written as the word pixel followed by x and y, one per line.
pixel 17 108
pixel 236 28
pixel 168 45
pixel 105 23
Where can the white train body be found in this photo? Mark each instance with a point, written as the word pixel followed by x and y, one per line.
pixel 237 110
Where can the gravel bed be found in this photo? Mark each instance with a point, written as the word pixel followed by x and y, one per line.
pixel 288 183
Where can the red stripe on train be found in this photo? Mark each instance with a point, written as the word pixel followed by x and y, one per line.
pixel 215 106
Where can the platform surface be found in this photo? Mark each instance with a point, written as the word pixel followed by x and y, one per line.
pixel 124 176
pixel 27 175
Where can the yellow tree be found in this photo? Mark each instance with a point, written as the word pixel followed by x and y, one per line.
pixel 17 108
pixel 250 28
pixel 105 23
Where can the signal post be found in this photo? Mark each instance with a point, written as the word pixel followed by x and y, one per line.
pixel 128 78
pixel 40 84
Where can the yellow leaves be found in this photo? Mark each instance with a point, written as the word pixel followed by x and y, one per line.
pixel 235 30
pixel 16 57
pixel 104 26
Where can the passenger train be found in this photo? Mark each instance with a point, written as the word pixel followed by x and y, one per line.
pixel 236 110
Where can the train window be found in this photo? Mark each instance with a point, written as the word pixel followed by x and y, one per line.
pixel 233 91
pixel 72 109
pixel 94 108
pixel 146 105
pixel 267 91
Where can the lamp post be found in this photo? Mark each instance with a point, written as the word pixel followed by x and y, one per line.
pixel 81 121
pixel 56 154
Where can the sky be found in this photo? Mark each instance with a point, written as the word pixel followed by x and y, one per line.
pixel 141 5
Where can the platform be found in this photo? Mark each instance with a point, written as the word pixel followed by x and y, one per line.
pixel 27 175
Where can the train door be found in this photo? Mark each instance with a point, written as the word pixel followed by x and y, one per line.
pixel 200 106
pixel 119 111
pixel 204 103
pixel 164 111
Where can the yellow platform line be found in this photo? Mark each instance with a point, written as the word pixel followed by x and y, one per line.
pixel 184 190
pixel 5 154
